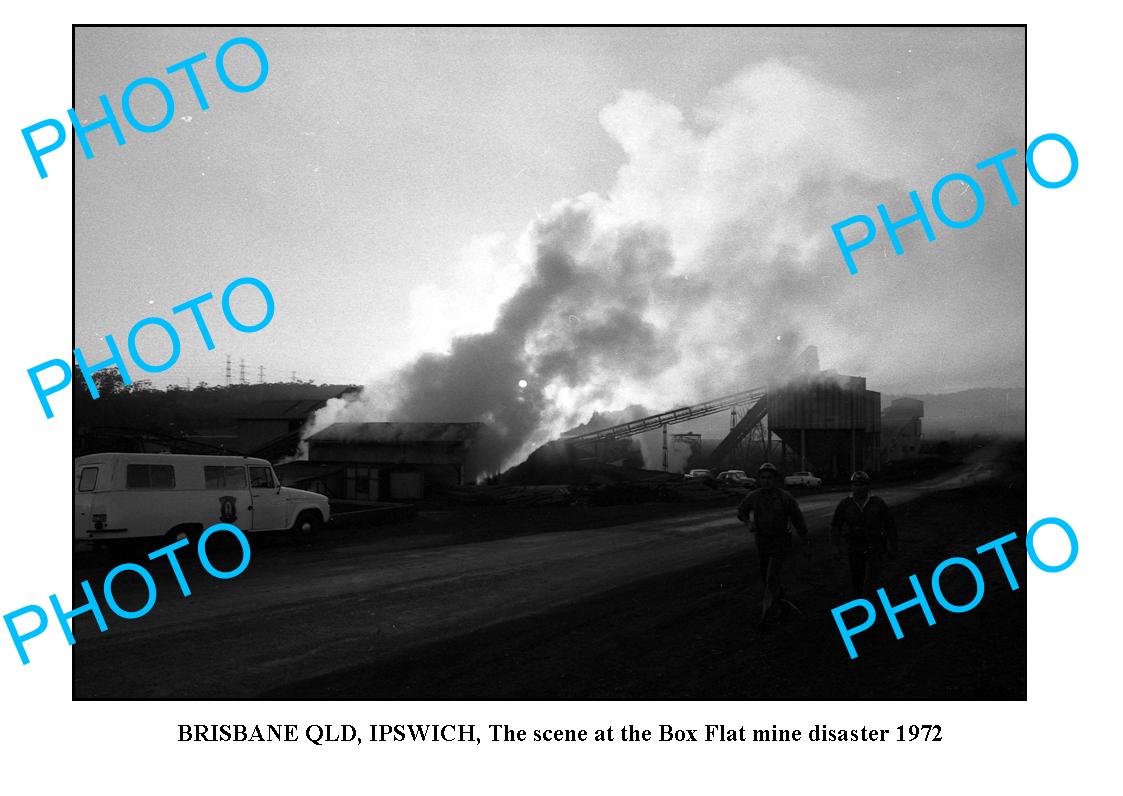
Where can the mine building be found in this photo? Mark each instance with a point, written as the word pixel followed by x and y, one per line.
pixel 901 429
pixel 808 419
pixel 387 461
pixel 275 421
pixel 827 423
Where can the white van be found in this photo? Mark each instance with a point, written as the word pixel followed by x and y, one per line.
pixel 133 495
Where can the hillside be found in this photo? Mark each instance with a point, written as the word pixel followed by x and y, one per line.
pixel 987 411
pixel 177 411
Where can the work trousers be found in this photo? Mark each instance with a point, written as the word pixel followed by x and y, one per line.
pixel 773 552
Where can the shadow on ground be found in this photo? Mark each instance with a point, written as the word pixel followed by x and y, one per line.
pixel 691 634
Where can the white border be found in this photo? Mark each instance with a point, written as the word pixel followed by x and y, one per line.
pixel 1058 740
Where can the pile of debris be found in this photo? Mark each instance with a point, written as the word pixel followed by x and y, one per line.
pixel 549 495
pixel 651 487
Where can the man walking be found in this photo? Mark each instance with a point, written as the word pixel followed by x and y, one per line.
pixel 867 526
pixel 768 510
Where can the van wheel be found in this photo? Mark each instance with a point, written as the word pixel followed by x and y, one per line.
pixel 307 525
pixel 189 532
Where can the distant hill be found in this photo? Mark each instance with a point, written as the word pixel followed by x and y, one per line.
pixel 989 410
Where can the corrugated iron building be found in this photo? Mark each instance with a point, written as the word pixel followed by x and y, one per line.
pixel 393 461
pixel 831 423
pixel 274 420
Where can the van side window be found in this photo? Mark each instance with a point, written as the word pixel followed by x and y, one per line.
pixel 235 477
pixel 225 477
pixel 87 479
pixel 261 478
pixel 150 476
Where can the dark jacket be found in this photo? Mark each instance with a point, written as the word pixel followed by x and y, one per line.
pixel 863 527
pixel 770 511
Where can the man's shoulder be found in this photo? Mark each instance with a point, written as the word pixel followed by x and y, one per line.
pixel 752 496
pixel 786 496
pixel 748 498
pixel 757 495
pixel 761 491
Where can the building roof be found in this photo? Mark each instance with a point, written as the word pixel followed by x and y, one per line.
pixel 397 433
pixel 286 409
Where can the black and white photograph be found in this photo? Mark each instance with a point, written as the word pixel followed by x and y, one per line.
pixel 521 363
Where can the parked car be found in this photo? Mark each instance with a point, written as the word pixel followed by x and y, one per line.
pixel 802 479
pixel 737 478
pixel 699 474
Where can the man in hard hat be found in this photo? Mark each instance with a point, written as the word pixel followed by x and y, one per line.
pixel 768 510
pixel 865 522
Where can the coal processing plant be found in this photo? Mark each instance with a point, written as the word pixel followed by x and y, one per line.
pixel 825 422
pixel 810 420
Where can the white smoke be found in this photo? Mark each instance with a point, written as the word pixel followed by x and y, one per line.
pixel 695 276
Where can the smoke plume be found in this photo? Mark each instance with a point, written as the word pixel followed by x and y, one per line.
pixel 700 273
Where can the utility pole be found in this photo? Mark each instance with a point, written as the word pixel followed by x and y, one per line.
pixel 227 370
pixel 735 456
pixel 666 462
pixel 242 371
pixel 260 374
pixel 294 376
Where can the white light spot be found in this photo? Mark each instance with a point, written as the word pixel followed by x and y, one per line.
pixel 777 337
pixel 185 118
pixel 522 384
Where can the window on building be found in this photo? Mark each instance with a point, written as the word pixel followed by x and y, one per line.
pixel 362 481
pixel 225 477
pixel 150 476
pixel 87 479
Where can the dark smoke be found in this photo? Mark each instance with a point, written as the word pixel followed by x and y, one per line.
pixel 699 274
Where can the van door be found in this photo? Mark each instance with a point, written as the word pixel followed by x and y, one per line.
pixel 150 505
pixel 228 496
pixel 268 504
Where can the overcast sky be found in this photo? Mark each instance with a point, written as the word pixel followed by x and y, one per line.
pixel 395 186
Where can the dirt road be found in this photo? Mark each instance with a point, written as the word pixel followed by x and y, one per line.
pixel 300 613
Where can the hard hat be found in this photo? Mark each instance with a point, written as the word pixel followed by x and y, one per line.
pixel 860 477
pixel 767 467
